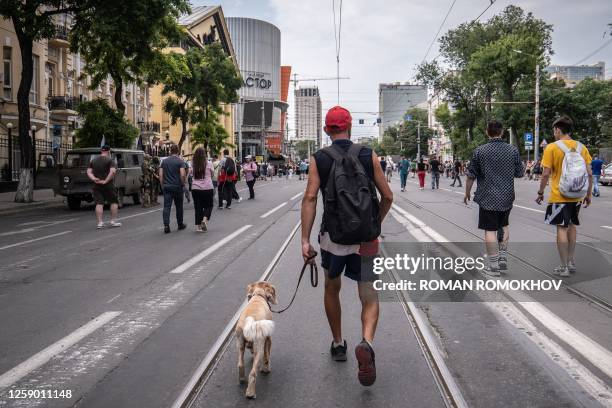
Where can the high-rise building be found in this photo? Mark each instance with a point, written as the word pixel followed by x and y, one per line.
pixel 258 129
pixel 308 116
pixel 572 74
pixel 395 99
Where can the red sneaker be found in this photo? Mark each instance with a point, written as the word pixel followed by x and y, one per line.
pixel 367 366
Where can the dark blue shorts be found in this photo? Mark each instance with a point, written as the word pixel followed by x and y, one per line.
pixel 354 266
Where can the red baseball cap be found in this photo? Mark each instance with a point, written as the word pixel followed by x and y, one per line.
pixel 338 118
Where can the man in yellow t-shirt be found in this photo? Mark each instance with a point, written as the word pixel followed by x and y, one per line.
pixel 563 211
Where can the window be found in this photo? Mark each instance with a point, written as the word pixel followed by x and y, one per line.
pixel 34 94
pixel 135 160
pixel 50 68
pixel 7 57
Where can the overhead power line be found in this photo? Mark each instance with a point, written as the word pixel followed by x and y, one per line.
pixel 439 29
pixel 604 45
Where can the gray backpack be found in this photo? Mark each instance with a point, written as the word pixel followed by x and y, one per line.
pixel 351 206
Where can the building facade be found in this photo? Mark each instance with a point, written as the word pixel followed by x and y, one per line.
pixel 440 144
pixel 57 87
pixel 205 25
pixel 573 74
pixel 394 100
pixel 308 116
pixel 257 122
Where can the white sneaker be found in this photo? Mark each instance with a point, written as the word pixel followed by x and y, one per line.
pixel 114 223
pixel 100 225
pixel 562 271
pixel 571 266
pixel 492 272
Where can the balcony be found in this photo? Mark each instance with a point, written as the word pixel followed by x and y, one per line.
pixel 149 127
pixel 63 105
pixel 60 37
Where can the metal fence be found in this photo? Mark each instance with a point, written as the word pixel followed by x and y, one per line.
pixel 10 169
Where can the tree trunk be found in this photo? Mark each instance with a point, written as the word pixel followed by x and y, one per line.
pixel 25 189
pixel 184 120
pixel 183 133
pixel 119 94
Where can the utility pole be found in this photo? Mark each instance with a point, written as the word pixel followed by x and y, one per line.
pixel 263 131
pixel 536 154
pixel 418 140
pixel 240 120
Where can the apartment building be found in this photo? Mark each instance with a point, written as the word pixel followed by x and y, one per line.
pixel 58 86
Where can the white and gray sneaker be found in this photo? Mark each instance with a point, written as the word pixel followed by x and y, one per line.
pixel 100 225
pixel 571 266
pixel 114 223
pixel 492 272
pixel 562 271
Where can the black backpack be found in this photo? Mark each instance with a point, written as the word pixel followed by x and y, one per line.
pixel 229 167
pixel 350 207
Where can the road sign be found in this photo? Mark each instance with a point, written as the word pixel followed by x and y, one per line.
pixel 544 143
pixel 528 137
pixel 528 147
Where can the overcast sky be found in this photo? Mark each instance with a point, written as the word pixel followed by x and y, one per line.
pixel 383 41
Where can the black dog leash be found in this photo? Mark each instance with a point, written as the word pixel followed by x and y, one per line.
pixel 314 281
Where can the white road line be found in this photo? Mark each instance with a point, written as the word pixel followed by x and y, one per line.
pixel 435 236
pixel 32 229
pixel 606 226
pixel 297 195
pixel 190 262
pixel 139 214
pixel 37 360
pixel 599 356
pixel 530 209
pixel 272 210
pixel 111 300
pixel 214 350
pixel 34 240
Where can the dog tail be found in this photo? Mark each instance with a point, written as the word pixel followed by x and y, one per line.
pixel 257 329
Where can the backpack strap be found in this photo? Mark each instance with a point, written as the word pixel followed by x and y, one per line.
pixel 335 153
pixel 566 149
pixel 579 148
pixel 355 149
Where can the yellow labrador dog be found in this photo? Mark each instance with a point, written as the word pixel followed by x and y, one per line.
pixel 254 330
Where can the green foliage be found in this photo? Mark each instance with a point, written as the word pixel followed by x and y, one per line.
pixel 484 69
pixel 197 83
pixel 301 147
pixel 125 38
pixel 103 121
pixel 211 134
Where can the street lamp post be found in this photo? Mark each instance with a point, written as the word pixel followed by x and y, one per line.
pixel 536 154
pixel 34 154
pixel 10 151
pixel 536 127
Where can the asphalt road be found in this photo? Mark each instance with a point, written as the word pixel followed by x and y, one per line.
pixel 122 317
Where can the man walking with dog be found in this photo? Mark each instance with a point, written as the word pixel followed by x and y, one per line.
pixel 349 232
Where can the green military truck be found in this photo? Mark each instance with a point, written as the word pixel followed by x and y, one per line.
pixel 70 178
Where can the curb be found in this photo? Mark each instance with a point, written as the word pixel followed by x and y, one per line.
pixel 26 207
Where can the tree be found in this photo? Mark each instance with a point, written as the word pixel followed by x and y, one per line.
pixel 484 66
pixel 33 20
pixel 124 39
pixel 211 135
pixel 197 83
pixel 102 121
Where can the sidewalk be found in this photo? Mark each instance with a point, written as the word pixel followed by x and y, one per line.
pixel 303 374
pixel 42 199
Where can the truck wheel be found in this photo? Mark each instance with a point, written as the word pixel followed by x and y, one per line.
pixel 74 203
pixel 136 198
pixel 120 197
